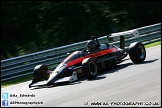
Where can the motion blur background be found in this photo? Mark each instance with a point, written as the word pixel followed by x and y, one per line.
pixel 32 26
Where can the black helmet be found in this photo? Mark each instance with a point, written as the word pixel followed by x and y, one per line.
pixel 91 45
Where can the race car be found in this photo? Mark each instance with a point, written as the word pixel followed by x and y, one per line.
pixel 89 62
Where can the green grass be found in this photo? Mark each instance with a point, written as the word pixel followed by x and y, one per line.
pixel 16 81
pixel 152 44
pixel 29 77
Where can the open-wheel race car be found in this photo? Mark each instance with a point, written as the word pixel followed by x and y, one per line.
pixel 89 62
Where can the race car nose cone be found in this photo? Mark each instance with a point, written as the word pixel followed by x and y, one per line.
pixel 55 74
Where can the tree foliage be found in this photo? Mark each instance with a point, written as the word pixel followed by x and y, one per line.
pixel 31 26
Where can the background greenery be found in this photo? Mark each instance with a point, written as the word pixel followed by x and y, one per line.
pixel 31 26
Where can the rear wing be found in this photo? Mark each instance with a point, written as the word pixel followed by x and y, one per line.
pixel 122 36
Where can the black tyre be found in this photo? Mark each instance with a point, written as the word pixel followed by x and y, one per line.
pixel 89 68
pixel 137 52
pixel 40 73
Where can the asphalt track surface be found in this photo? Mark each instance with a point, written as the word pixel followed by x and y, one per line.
pixel 127 85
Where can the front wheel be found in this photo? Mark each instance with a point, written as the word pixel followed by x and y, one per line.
pixel 137 52
pixel 89 68
pixel 41 73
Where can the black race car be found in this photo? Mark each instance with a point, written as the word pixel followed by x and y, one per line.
pixel 89 62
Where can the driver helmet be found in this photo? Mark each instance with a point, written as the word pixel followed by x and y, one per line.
pixel 91 45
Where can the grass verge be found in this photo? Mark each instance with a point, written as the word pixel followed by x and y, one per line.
pixel 29 77
pixel 152 44
pixel 16 81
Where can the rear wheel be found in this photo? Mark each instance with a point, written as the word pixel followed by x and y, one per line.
pixel 89 68
pixel 137 52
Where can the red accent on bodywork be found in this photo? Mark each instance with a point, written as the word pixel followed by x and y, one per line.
pixel 97 54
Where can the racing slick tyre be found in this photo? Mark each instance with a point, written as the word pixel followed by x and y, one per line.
pixel 41 73
pixel 137 52
pixel 89 68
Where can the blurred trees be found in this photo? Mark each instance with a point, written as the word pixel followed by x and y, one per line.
pixel 31 26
